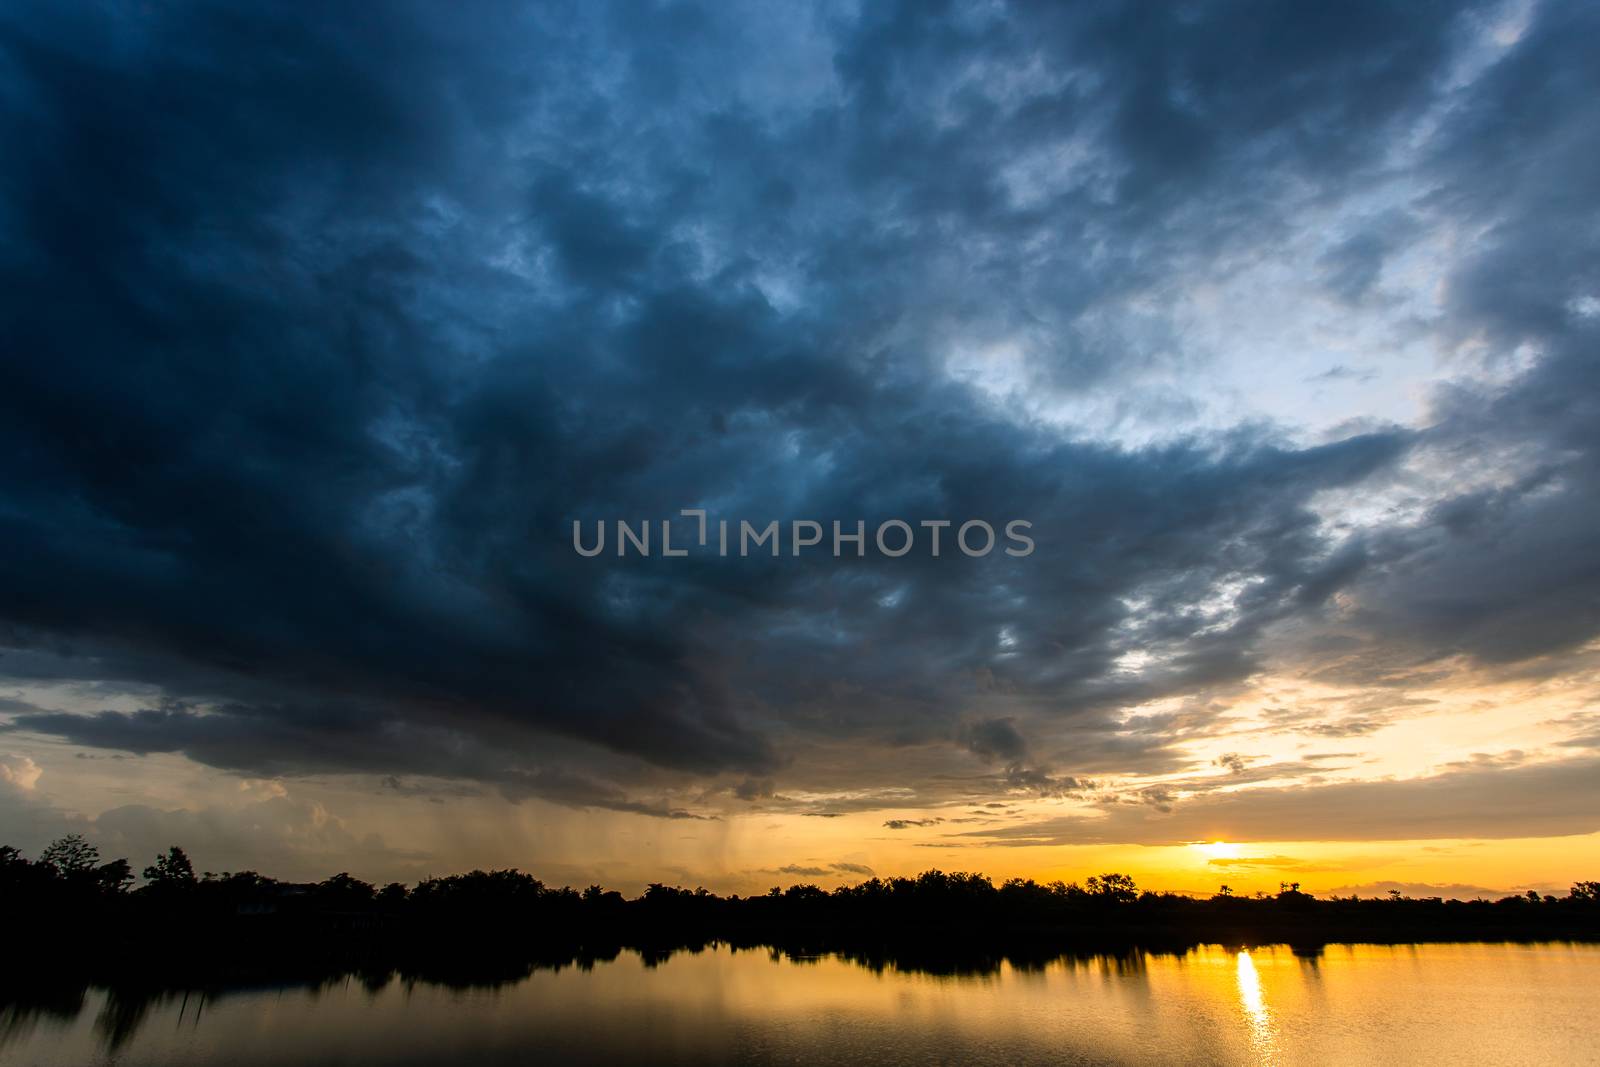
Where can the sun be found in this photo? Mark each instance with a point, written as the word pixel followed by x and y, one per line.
pixel 1217 850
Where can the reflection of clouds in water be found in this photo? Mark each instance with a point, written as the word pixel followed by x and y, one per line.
pixel 1263 1041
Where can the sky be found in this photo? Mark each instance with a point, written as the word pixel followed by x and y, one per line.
pixel 324 324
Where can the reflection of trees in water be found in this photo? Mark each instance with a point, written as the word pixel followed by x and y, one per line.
pixel 487 929
pixel 1309 957
pixel 129 1006
pixel 122 1015
pixel 22 1011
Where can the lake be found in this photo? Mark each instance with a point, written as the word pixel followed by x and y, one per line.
pixel 1355 1004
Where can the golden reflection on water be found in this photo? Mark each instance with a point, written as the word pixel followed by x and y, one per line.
pixel 1347 1004
pixel 1263 1041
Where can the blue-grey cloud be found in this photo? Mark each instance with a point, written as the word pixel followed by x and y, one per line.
pixel 319 334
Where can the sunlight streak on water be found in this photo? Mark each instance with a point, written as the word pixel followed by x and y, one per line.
pixel 1263 1041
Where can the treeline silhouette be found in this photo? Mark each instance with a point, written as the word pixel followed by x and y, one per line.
pixel 79 917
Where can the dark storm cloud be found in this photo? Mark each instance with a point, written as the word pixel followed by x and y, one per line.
pixel 297 740
pixel 995 739
pixel 319 333
pixel 1506 571
pixel 1520 556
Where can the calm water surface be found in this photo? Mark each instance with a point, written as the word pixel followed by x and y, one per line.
pixel 1361 1004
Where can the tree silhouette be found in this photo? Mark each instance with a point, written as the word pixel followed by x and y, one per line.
pixel 172 870
pixel 244 919
pixel 78 864
pixel 71 855
pixel 1117 888
pixel 345 893
pixel 113 877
